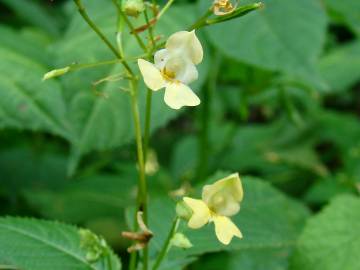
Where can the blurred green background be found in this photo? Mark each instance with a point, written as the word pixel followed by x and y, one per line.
pixel 280 92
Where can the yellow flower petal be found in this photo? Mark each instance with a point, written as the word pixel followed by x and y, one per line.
pixel 188 43
pixel 225 229
pixel 152 76
pixel 178 95
pixel 224 196
pixel 201 213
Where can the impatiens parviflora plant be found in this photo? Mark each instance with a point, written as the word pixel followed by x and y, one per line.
pixel 168 63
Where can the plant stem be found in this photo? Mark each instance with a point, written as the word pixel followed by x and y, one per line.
pixel 164 9
pixel 86 17
pixel 150 30
pixel 166 246
pixel 128 22
pixel 142 197
pixel 142 193
pixel 75 67
pixel 147 121
pixel 201 21
pixel 149 91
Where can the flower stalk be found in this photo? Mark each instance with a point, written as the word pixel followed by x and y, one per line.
pixel 165 248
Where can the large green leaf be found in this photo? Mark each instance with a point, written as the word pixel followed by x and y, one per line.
pixel 268 220
pixel 341 67
pixel 331 239
pixel 25 101
pixel 285 35
pixel 31 244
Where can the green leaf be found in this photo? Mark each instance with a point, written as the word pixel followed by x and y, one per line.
pixel 85 199
pixel 330 240
pixel 341 67
pixel 348 10
pixel 41 245
pixel 275 37
pixel 26 102
pixel 268 220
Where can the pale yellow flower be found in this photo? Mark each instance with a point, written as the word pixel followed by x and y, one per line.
pixel 174 68
pixel 219 201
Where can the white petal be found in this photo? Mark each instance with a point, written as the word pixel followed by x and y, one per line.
pixel 178 95
pixel 152 76
pixel 225 229
pixel 201 213
pixel 188 74
pixel 160 58
pixel 188 43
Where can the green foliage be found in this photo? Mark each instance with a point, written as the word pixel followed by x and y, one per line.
pixel 23 241
pixel 331 238
pixel 279 93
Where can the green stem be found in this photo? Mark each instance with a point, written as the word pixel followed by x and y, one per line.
pixel 128 22
pixel 147 121
pixel 142 194
pixel 142 197
pixel 240 11
pixel 166 246
pixel 164 9
pixel 150 30
pixel 86 17
pixel 201 21
pixel 75 67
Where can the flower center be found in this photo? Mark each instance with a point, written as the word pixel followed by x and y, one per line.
pixel 168 75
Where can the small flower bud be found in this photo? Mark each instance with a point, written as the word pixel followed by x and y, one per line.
pixel 94 245
pixel 181 241
pixel 183 210
pixel 56 73
pixel 133 7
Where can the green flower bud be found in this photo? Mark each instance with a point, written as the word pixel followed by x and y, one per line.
pixel 56 73
pixel 181 241
pixel 183 210
pixel 94 245
pixel 133 7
